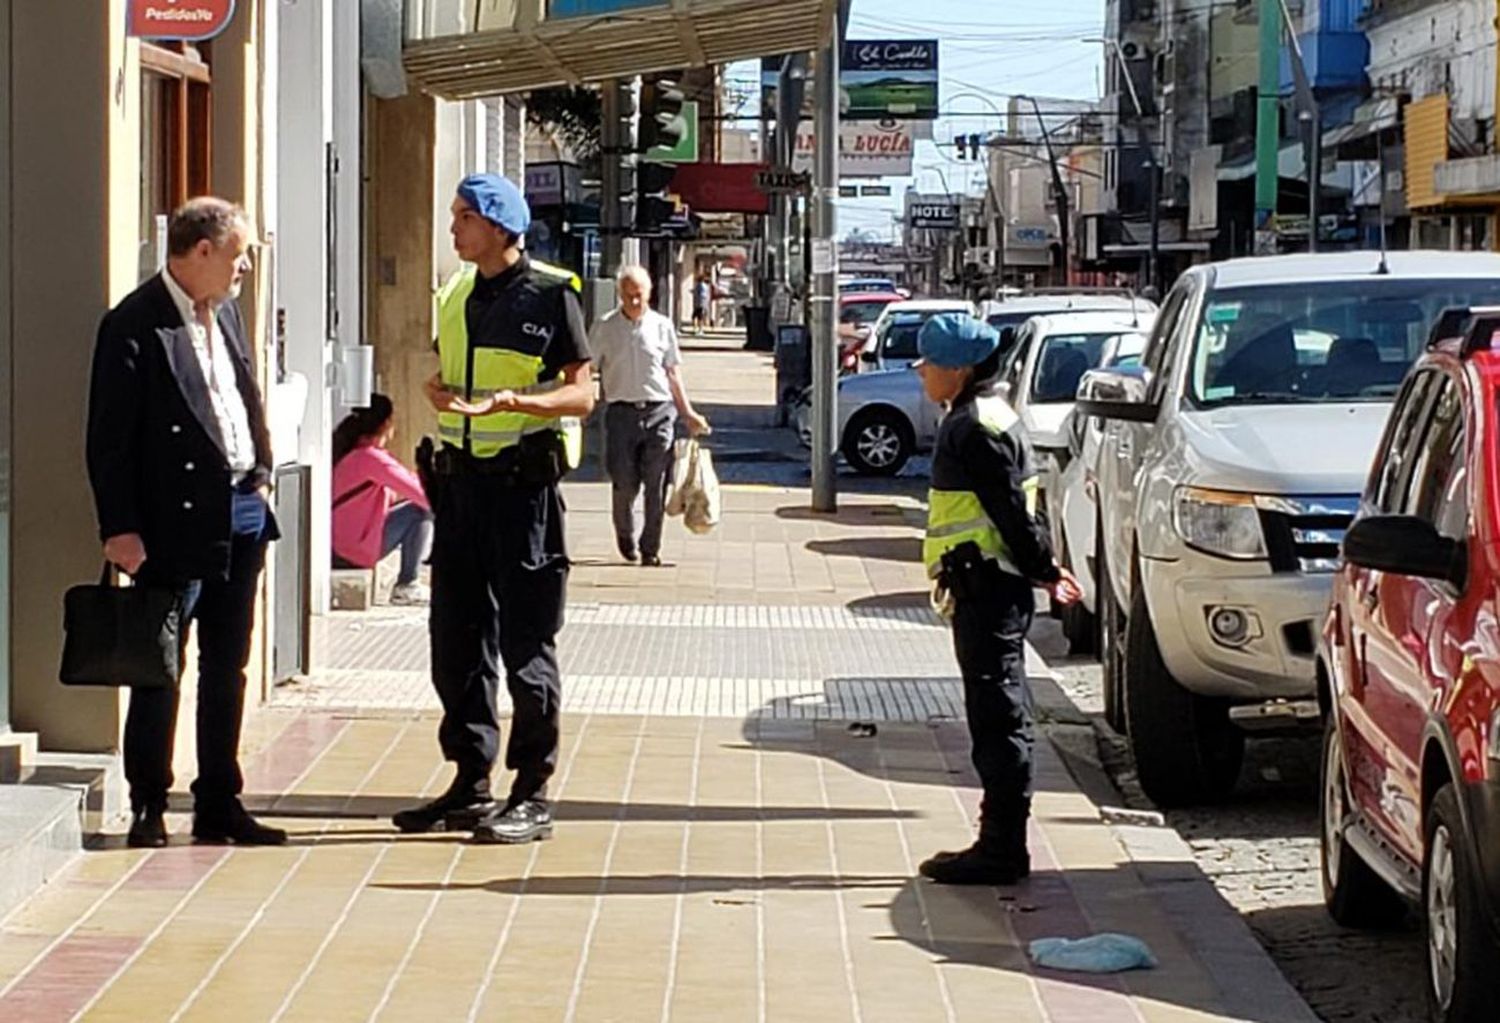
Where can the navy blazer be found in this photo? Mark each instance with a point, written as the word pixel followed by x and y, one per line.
pixel 156 460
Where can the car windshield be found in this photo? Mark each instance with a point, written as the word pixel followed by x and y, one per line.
pixel 862 313
pixel 899 335
pixel 1328 341
pixel 1063 361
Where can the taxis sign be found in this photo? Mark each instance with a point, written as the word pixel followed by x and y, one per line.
pixel 186 20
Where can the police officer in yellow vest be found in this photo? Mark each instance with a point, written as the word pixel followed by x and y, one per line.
pixel 985 551
pixel 514 384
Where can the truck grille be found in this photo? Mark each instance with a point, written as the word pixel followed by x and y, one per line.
pixel 1306 534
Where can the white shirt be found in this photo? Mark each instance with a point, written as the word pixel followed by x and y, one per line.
pixel 632 356
pixel 223 387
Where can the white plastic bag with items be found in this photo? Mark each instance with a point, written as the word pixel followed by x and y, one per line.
pixel 695 487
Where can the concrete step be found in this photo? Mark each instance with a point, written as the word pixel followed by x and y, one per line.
pixel 96 780
pixel 41 830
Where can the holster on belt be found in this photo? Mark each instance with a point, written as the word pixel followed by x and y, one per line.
pixel 426 472
pixel 967 574
pixel 538 460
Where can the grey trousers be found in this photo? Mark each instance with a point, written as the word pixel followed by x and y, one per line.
pixel 637 456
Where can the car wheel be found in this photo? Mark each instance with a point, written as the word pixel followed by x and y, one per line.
pixel 878 442
pixel 1353 893
pixel 1111 639
pixel 1462 981
pixel 1186 749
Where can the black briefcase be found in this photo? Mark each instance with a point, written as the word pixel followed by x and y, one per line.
pixel 121 636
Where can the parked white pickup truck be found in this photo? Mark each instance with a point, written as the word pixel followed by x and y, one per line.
pixel 1229 468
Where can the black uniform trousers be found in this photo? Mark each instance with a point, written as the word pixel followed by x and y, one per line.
pixel 499 581
pixel 223 611
pixel 989 637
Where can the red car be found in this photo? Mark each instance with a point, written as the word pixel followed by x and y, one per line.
pixel 858 311
pixel 1409 674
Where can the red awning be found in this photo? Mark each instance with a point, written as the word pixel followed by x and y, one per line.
pixel 721 187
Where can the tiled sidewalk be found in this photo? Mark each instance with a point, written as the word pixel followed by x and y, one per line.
pixel 703 869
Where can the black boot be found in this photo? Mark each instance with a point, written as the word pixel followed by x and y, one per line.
pixel 458 809
pixel 148 829
pixel 232 823
pixel 978 864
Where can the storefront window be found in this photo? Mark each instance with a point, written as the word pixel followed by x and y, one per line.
pixel 175 129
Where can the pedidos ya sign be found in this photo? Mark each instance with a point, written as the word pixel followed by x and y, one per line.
pixel 185 20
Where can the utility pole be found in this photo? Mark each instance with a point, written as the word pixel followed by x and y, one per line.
pixel 1268 128
pixel 1311 118
pixel 823 284
pixel 1060 194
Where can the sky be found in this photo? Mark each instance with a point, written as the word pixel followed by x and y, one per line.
pixel 988 51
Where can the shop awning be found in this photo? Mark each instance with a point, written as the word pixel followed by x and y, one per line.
pixel 1357 140
pixel 501 46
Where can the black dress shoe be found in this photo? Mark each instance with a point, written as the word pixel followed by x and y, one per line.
pixel 148 830
pixel 234 825
pixel 977 866
pixel 528 821
pixel 459 809
pixel 651 560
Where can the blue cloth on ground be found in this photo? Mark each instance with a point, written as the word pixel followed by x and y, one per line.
pixel 1098 953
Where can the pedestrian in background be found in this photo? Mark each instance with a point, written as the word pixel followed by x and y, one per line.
pixel 180 463
pixel 378 503
pixel 638 361
pixel 703 296
pixel 985 551
pixel 514 382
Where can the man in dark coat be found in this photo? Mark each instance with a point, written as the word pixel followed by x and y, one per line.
pixel 180 462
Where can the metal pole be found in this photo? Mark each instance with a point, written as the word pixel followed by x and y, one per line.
pixel 823 286
pixel 1314 177
pixel 611 219
pixel 1268 128
pixel 1060 192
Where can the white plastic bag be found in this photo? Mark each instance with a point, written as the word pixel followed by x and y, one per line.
pixel 695 487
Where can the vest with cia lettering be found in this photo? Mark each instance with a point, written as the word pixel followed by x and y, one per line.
pixel 955 514
pixel 510 357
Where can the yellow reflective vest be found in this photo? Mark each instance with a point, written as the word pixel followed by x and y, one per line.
pixel 494 370
pixel 956 516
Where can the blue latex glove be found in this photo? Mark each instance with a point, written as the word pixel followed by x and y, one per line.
pixel 1098 953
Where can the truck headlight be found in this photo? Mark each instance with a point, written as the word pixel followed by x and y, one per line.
pixel 1219 522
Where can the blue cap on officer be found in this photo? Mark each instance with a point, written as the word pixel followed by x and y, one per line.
pixel 956 340
pixel 497 200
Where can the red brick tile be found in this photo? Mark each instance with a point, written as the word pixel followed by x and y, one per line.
pixel 67 978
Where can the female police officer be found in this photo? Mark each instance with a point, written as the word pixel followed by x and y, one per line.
pixel 984 552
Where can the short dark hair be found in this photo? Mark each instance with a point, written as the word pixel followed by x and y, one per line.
pixel 204 218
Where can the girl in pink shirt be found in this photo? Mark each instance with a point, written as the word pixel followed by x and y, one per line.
pixel 378 503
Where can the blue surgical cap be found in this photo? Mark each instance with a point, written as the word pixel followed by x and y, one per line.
pixel 957 340
pixel 497 200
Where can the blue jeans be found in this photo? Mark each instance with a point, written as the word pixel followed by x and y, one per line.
pixel 408 526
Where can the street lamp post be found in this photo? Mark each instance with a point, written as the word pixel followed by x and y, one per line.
pixel 1153 257
pixel 997 220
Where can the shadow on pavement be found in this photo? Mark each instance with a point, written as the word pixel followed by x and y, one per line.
pixel 880 548
pixel 878 605
pixel 876 516
pixel 653 884
pixel 334 806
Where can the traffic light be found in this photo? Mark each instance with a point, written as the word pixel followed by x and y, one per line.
pixel 662 121
pixel 653 206
pixel 976 146
pixel 962 143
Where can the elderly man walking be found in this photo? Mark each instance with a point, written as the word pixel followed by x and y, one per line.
pixel 638 363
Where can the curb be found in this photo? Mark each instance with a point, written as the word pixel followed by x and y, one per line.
pixel 1252 987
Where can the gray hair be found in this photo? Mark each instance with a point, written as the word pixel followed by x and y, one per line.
pixel 637 273
pixel 206 218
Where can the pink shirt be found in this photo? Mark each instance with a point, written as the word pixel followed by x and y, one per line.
pixel 366 483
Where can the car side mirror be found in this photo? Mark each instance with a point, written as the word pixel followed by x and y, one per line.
pixel 1406 545
pixel 1119 393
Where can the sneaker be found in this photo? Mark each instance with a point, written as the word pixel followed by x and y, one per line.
pixel 528 821
pixel 413 594
pixel 977 866
pixel 459 809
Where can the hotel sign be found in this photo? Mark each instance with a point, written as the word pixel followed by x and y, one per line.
pixel 187 20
